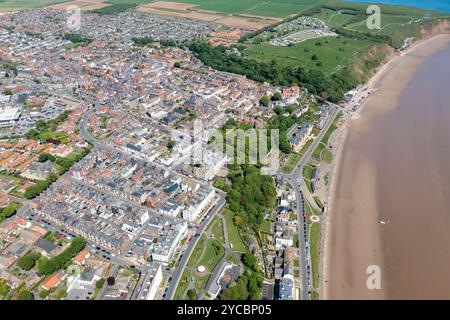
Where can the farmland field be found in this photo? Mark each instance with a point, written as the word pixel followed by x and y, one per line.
pixel 26 4
pixel 269 8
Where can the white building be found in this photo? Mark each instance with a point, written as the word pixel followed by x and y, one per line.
pixel 199 203
pixel 9 116
pixel 152 281
pixel 162 251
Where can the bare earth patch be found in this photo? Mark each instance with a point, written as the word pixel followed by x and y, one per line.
pixel 186 10
pixel 148 8
pixel 171 5
pixel 244 23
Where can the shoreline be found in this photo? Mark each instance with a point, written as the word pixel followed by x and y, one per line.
pixel 412 58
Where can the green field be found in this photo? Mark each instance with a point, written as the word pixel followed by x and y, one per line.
pixel 308 170
pixel 333 53
pixel 216 229
pixel 314 238
pixel 233 232
pixel 27 4
pixel 291 163
pixel 268 8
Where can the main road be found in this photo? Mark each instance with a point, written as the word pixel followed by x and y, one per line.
pixel 295 179
pixel 176 276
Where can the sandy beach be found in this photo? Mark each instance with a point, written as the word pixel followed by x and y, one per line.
pixel 387 170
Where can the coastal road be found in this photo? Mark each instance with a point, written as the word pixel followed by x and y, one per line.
pixel 176 276
pixel 295 179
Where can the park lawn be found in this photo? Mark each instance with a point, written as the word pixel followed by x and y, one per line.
pixel 200 282
pixel 217 229
pixel 182 285
pixel 234 258
pixel 210 257
pixel 326 156
pixel 309 185
pixel 306 146
pixel 197 252
pixel 332 53
pixel 308 171
pixel 310 211
pixel 295 240
pixel 265 227
pixel 318 151
pixel 315 233
pixel 291 163
pixel 319 203
pixel 333 126
pixel 54 135
pixel 233 232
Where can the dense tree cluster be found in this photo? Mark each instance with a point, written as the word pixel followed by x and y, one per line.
pixel 142 41
pixel 28 261
pixel 64 164
pixel 251 193
pixel 249 285
pixel 264 101
pixel 77 38
pixel 114 8
pixel 4 288
pixel 24 294
pixel 40 186
pixel 331 87
pixel 50 266
pixel 8 211
pixel 42 127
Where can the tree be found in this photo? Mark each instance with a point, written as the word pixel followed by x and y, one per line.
pixel 100 283
pixel 277 96
pixel 249 260
pixel 265 101
pixel 49 266
pixel 29 260
pixel 44 294
pixel 278 110
pixel 192 294
pixel 4 288
pixel 24 294
pixel 170 144
pixel 177 64
pixel 43 157
pixel 111 281
pixel 285 146
pixel 32 134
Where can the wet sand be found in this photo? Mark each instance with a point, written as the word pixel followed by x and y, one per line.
pixel 394 166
